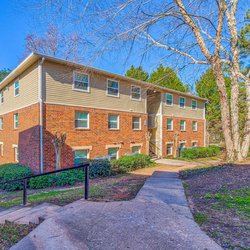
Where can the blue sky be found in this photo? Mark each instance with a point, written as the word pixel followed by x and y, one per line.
pixel 16 22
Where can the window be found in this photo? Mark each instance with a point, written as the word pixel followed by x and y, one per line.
pixel 1 97
pixel 183 125
pixel 182 145
pixel 136 123
pixel 136 149
pixel 113 122
pixel 81 156
pixel 15 120
pixel 16 88
pixel 194 144
pixel 1 148
pixel 182 102
pixel 169 148
pixel 194 104
pixel 194 126
pixel 169 124
pixel 135 93
pixel 113 88
pixel 16 153
pixel 169 100
pixel 1 123
pixel 113 153
pixel 81 82
pixel 81 119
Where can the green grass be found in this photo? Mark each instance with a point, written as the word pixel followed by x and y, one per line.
pixel 200 218
pixel 57 197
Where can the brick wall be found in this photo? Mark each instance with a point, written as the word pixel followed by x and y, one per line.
pixel 62 119
pixel 26 136
pixel 189 135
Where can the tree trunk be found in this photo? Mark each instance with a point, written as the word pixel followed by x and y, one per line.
pixel 225 114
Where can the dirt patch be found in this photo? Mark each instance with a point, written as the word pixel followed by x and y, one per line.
pixel 219 198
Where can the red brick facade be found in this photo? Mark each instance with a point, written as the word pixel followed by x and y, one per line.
pixel 26 136
pixel 188 135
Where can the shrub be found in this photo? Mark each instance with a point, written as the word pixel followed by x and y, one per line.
pixel 131 162
pixel 42 182
pixel 194 153
pixel 100 168
pixel 13 171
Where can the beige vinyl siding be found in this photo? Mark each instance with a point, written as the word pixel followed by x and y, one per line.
pixel 28 91
pixel 59 80
pixel 186 112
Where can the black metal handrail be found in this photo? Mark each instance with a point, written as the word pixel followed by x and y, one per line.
pixel 24 179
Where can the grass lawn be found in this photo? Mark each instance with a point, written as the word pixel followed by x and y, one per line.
pixel 219 198
pixel 114 188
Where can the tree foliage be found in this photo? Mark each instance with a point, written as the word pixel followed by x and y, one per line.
pixel 137 73
pixel 4 73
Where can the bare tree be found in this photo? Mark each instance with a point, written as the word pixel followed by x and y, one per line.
pixel 193 32
pixel 58 142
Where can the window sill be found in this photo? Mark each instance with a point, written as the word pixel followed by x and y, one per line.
pixel 169 105
pixel 81 90
pixel 114 129
pixel 85 129
pixel 183 131
pixel 137 129
pixel 136 100
pixel 115 96
pixel 170 130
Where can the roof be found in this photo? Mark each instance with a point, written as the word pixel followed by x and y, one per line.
pixel 34 57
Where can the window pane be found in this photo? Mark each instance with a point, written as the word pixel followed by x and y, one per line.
pixel 136 149
pixel 169 99
pixel 113 121
pixel 169 124
pixel 136 93
pixel 136 124
pixel 112 152
pixel 1 123
pixel 81 81
pixel 182 125
pixel 194 104
pixel 182 102
pixel 113 88
pixel 16 88
pixel 80 156
pixel 169 149
pixel 81 119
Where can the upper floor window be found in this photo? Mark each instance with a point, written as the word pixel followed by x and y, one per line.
pixel 194 126
pixel 15 120
pixel 194 104
pixel 1 123
pixel 16 88
pixel 182 125
pixel 81 82
pixel 113 88
pixel 1 97
pixel 135 93
pixel 113 122
pixel 169 99
pixel 182 102
pixel 81 119
pixel 169 124
pixel 136 123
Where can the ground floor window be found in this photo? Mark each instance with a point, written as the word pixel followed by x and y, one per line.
pixel 1 148
pixel 136 149
pixel 113 153
pixel 16 153
pixel 194 144
pixel 81 156
pixel 182 145
pixel 169 148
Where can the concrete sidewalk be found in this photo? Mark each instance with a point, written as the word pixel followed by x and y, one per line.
pixel 158 218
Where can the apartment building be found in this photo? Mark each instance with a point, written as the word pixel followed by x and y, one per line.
pixel 102 114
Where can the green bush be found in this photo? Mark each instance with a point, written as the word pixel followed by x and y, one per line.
pixel 131 162
pixel 100 168
pixel 42 182
pixel 194 153
pixel 13 171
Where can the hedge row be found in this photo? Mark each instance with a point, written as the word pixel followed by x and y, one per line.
pixel 194 153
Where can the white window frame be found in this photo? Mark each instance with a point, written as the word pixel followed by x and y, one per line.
pixel 16 152
pixel 117 151
pixel 138 146
pixel 195 142
pixel 118 122
pixel 166 100
pixel 134 99
pixel 172 124
pixel 2 148
pixel 139 122
pixel 184 125
pixel 1 123
pixel 87 150
pixel 81 90
pixel 169 143
pixel 180 102
pixel 182 142
pixel 107 86
pixel 196 127
pixel 16 127
pixel 192 104
pixel 16 88
pixel 82 119
pixel 1 97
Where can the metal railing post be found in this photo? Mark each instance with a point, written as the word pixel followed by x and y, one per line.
pixel 86 190
pixel 24 192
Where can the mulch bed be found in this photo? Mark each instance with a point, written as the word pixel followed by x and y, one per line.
pixel 206 190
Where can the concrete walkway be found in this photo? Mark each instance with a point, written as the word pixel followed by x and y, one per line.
pixel 158 218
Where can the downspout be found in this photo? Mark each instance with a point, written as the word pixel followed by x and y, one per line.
pixel 161 125
pixel 40 96
pixel 205 125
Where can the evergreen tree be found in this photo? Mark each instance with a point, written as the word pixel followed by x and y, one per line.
pixel 137 73
pixel 4 73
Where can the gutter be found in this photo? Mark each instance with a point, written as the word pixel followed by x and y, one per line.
pixel 40 96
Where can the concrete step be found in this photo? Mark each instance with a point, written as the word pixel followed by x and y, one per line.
pixel 28 215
